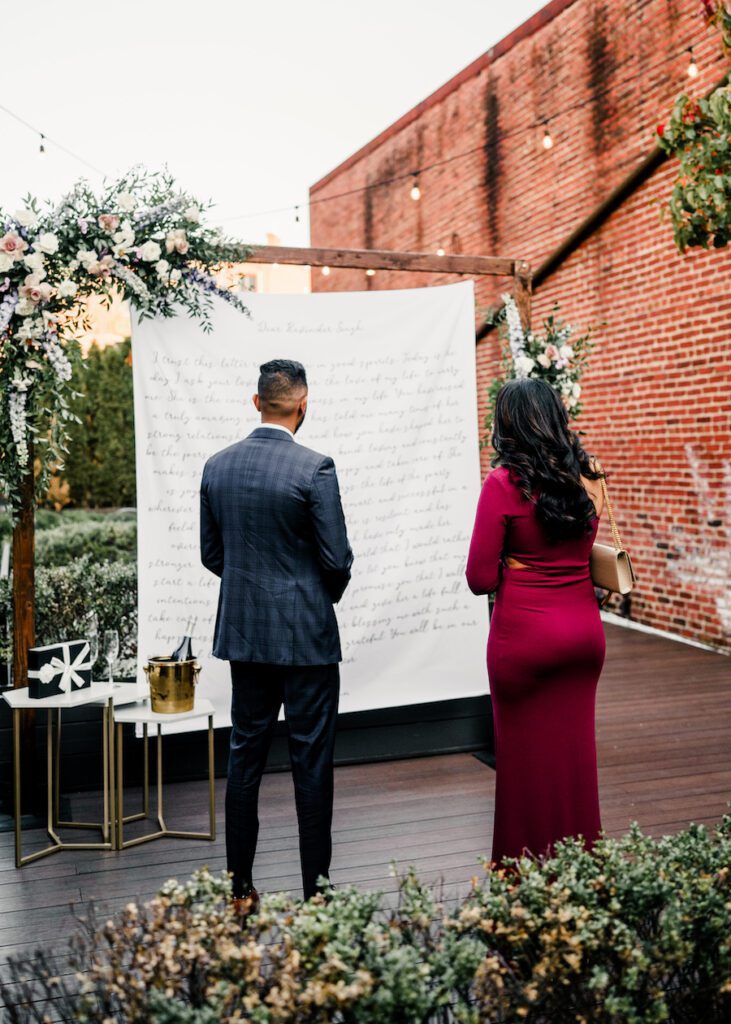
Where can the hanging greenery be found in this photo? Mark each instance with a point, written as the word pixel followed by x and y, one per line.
pixel 698 133
pixel 143 237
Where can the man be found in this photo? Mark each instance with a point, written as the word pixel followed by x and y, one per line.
pixel 272 528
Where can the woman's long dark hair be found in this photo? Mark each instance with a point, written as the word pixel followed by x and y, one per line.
pixel 532 438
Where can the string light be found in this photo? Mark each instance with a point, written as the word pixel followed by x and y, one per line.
pixel 527 131
pixel 370 272
pixel 297 214
pixel 415 190
pixel 44 140
pixel 325 271
pixel 692 66
pixel 440 251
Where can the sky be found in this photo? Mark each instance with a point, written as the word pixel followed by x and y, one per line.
pixel 246 103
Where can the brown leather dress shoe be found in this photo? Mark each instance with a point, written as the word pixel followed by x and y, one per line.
pixel 246 904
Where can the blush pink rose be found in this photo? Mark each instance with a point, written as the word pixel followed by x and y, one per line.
pixel 551 351
pixel 109 222
pixel 35 290
pixel 177 241
pixel 101 268
pixel 13 244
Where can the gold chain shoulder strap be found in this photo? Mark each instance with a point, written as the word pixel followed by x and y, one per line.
pixel 610 511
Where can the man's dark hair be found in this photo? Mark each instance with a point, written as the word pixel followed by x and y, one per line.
pixel 279 378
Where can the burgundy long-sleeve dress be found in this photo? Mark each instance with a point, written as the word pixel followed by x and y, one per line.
pixel 545 652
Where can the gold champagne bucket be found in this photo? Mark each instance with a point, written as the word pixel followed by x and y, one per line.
pixel 172 684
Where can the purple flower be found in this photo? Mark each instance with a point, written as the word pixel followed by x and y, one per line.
pixel 7 306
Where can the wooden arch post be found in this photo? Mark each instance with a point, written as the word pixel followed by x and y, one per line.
pixel 354 259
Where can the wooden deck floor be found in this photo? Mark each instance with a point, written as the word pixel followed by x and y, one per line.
pixel 664 747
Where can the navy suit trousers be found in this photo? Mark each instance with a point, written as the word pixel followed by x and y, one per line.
pixel 310 697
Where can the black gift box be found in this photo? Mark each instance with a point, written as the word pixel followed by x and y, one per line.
pixel 59 668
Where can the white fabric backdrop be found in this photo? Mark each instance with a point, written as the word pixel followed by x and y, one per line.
pixel 393 400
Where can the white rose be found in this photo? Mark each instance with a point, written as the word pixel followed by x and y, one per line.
pixel 34 261
pixel 193 214
pixel 126 202
pixel 150 252
pixel 67 289
pixel 47 242
pixel 543 360
pixel 123 240
pixel 576 390
pixel 6 262
pixel 73 266
pixel 25 308
pixel 86 257
pixel 30 328
pixel 162 268
pixel 566 352
pixel 174 277
pixel 524 365
pixel 26 218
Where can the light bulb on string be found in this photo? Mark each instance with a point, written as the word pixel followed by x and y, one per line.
pixel 415 190
pixel 547 139
pixel 692 66
pixel 41 147
pixel 440 251
pixel 297 214
pixel 325 271
pixel 370 272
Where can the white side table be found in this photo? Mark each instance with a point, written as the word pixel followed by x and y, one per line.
pixel 18 699
pixel 142 714
pixel 122 694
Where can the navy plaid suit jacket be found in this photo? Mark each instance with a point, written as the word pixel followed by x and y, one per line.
pixel 272 528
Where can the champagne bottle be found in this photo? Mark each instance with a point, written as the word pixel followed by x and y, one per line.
pixel 184 650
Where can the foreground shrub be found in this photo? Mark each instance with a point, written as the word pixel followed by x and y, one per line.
pixel 636 931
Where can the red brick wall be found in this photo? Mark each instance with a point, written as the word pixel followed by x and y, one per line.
pixel 657 396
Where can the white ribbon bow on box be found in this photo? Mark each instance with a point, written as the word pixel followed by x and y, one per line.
pixel 69 669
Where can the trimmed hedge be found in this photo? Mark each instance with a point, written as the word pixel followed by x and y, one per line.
pixel 102 540
pixel 85 561
pixel 64 597
pixel 638 931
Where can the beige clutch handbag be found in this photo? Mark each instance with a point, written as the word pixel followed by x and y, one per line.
pixel 611 566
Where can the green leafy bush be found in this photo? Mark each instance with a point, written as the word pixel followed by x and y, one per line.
pixel 66 594
pixel 635 932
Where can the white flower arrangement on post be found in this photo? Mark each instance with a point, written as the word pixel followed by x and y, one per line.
pixel 142 237
pixel 554 356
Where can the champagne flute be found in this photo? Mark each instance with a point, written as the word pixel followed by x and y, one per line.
pixel 111 649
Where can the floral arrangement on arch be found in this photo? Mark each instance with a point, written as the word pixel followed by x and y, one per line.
pixel 698 133
pixel 143 237
pixel 554 355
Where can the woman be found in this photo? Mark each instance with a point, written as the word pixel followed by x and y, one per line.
pixel 536 521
